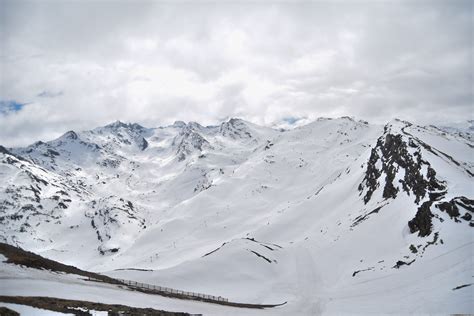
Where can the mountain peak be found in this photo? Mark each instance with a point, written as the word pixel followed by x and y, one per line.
pixel 70 135
pixel 235 128
pixel 119 124
pixel 179 124
pixel 399 121
pixel 116 124
pixel 396 125
pixel 195 125
pixel 234 120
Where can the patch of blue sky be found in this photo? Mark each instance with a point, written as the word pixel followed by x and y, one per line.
pixel 10 106
pixel 291 120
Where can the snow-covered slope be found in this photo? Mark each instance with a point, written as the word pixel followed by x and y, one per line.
pixel 335 216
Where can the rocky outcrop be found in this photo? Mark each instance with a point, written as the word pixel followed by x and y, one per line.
pixel 70 135
pixel 107 215
pixel 396 165
pixel 189 141
pixel 395 156
pixel 456 206
pixel 422 221
pixel 235 129
pixel 125 134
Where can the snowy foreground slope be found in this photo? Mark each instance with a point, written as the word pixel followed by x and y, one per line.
pixel 337 216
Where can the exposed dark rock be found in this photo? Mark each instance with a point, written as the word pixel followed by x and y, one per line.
pixel 464 202
pixel 81 308
pixel 371 176
pixel 391 154
pixel 8 312
pixel 400 156
pixel 261 256
pixel 131 126
pixel 439 153
pixel 144 144
pixel 62 205
pixel 28 207
pixel 461 286
pixel 104 251
pixel 179 124
pixel 359 271
pixel 263 244
pixel 268 145
pixel 436 196
pixel 422 221
pixel 70 135
pixel 235 128
pixel 402 263
pixel 362 218
pixel 413 249
pixel 466 217
pixel 211 252
pixel 108 215
pixel 110 163
pixel 3 150
pixel 187 141
pixel 452 207
pixel 9 160
pixel 51 153
pixel 15 217
pixel 421 249
pixel 35 178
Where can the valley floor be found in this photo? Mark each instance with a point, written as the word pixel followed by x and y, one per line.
pixel 419 290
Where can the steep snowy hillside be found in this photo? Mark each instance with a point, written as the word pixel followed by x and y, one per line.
pixel 335 216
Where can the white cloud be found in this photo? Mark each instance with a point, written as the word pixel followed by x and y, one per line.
pixel 83 64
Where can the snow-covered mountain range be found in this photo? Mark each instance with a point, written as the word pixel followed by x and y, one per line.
pixel 336 216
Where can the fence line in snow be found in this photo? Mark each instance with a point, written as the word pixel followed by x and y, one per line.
pixel 158 288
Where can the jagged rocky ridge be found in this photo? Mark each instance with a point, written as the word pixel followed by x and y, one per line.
pixel 397 166
pixel 397 163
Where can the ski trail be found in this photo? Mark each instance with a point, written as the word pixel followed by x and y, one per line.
pixel 307 281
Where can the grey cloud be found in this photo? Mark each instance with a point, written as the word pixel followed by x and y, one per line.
pixel 154 62
pixel 49 94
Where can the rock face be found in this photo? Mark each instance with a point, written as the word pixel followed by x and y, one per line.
pixel 235 128
pixel 107 216
pixel 119 133
pixel 456 206
pixel 422 221
pixel 35 198
pixel 70 135
pixel 394 156
pixel 396 164
pixel 189 141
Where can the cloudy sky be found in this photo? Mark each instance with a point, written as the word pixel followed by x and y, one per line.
pixel 80 64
